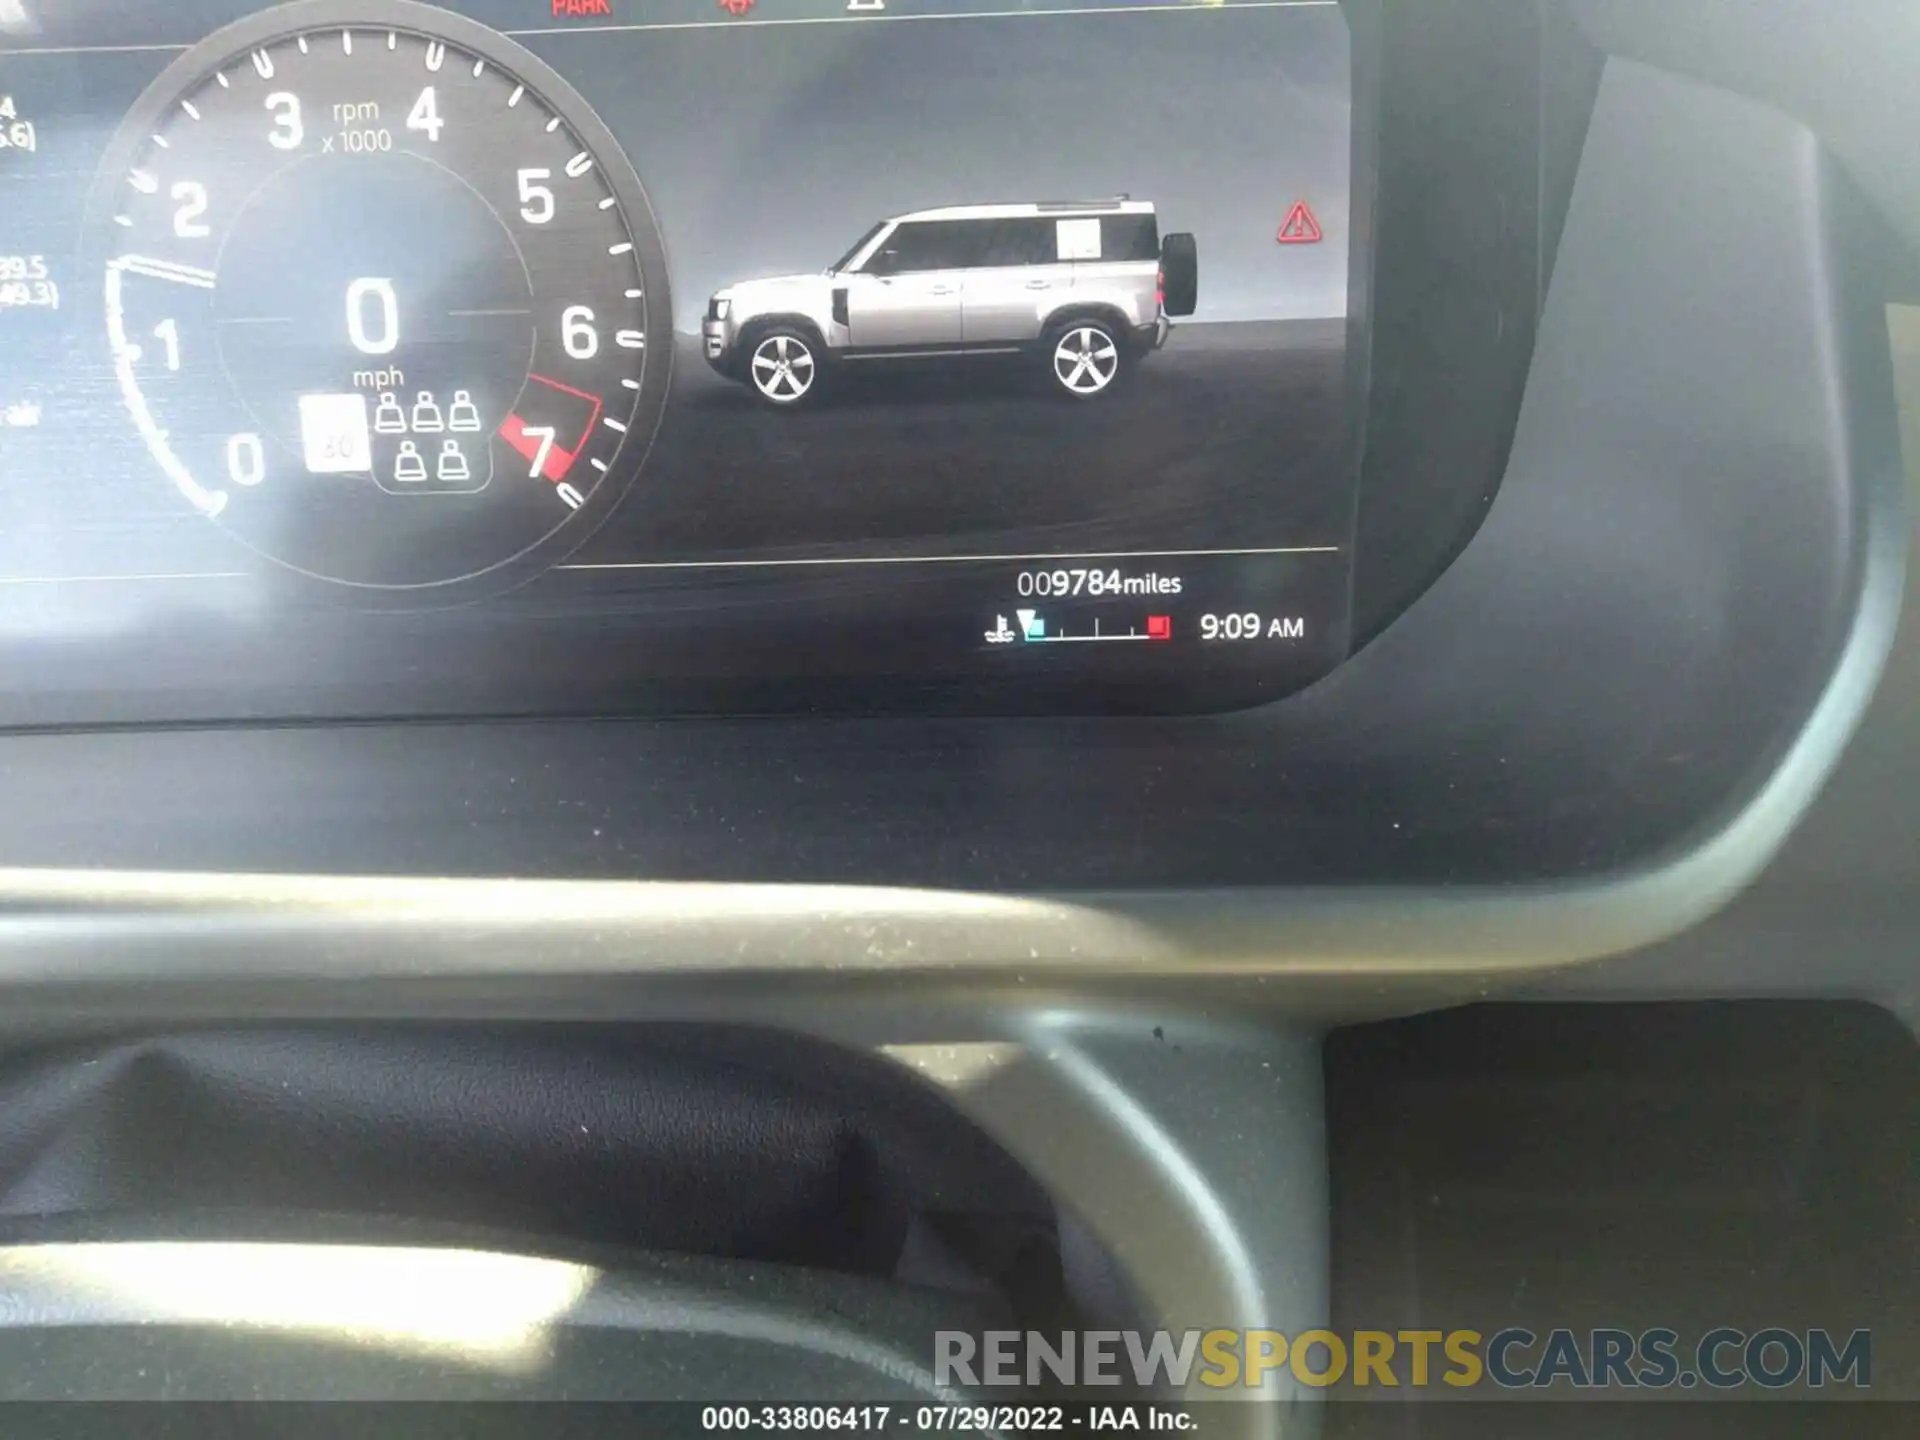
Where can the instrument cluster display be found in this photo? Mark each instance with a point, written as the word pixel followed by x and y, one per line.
pixel 367 357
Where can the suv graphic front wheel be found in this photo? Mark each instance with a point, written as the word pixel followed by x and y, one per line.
pixel 784 368
pixel 1085 357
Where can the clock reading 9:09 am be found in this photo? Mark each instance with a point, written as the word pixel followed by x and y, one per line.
pixel 382 292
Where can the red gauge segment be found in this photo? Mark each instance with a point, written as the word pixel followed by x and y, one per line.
pixel 550 427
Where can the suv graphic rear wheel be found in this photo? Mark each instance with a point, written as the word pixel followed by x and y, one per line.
pixel 784 368
pixel 1085 357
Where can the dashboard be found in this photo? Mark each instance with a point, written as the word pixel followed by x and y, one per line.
pixel 1412 530
pixel 559 555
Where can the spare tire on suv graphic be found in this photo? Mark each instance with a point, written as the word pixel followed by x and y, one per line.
pixel 1179 275
pixel 1085 289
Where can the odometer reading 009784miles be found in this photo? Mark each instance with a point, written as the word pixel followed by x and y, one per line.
pixel 380 290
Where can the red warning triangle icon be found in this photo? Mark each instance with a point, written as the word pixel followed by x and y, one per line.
pixel 1299 228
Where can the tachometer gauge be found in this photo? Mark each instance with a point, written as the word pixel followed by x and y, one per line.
pixel 384 297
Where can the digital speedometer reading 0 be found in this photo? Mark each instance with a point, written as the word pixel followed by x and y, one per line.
pixel 382 294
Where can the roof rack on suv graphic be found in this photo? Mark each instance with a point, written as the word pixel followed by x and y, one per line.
pixel 1082 204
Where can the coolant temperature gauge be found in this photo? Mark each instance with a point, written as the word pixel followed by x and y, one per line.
pixel 1032 628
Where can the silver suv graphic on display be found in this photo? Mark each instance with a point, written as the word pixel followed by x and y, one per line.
pixel 1084 288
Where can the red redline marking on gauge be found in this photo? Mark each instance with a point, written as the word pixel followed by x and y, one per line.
pixel 558 462
pixel 1300 227
pixel 562 453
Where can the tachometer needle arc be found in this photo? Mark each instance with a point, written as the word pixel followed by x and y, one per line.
pixel 165 270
